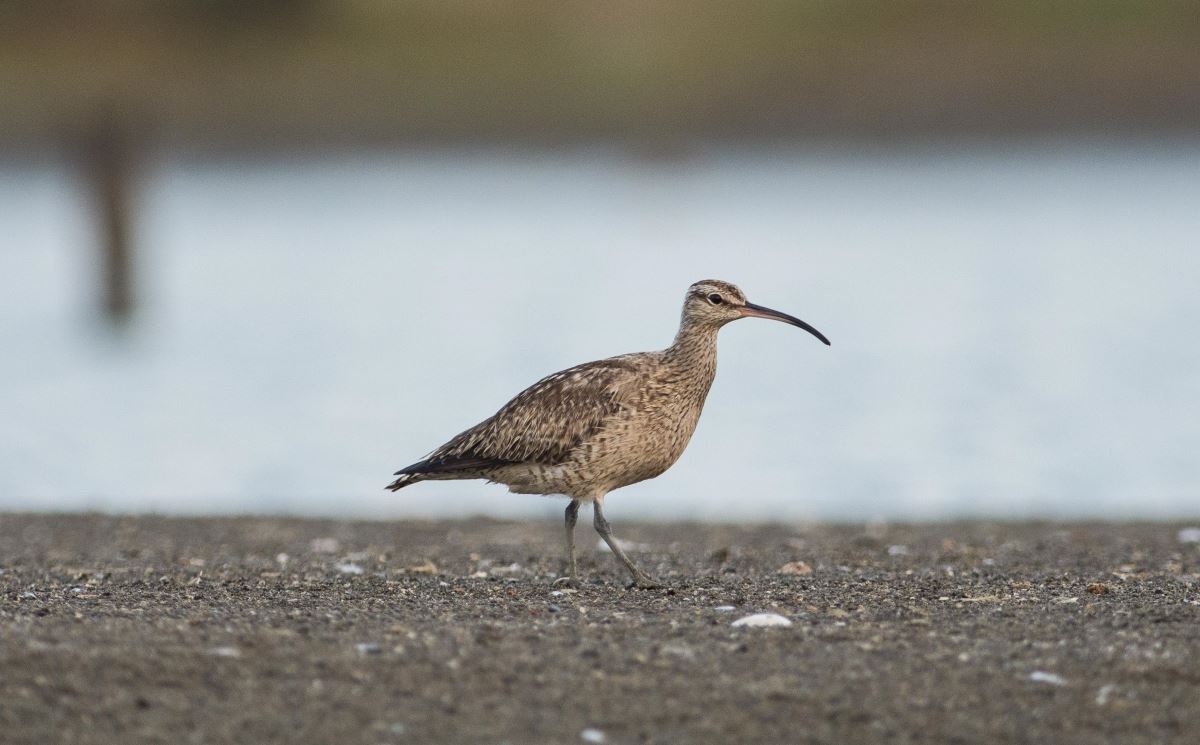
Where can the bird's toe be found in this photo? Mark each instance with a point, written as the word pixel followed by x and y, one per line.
pixel 645 582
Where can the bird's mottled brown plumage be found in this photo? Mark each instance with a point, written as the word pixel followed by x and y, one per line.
pixel 595 427
pixel 543 425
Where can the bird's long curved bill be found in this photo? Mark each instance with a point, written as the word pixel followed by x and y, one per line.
pixel 757 311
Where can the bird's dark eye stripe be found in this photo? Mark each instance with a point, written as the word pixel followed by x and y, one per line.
pixel 715 299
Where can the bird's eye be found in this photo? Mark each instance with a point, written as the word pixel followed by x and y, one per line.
pixel 715 299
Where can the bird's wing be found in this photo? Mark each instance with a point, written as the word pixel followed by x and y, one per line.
pixel 547 420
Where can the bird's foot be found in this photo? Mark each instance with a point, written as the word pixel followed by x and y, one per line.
pixel 570 582
pixel 644 582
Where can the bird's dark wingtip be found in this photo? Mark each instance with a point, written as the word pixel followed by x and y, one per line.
pixel 405 478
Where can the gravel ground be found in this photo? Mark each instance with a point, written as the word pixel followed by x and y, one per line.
pixel 149 629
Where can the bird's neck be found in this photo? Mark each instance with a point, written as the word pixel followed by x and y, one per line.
pixel 695 347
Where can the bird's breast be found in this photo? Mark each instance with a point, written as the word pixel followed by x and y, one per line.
pixel 649 437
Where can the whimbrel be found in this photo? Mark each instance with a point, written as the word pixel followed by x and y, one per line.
pixel 596 427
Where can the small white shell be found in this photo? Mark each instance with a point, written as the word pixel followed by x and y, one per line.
pixel 763 620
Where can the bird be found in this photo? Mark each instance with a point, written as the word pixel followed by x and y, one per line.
pixel 593 428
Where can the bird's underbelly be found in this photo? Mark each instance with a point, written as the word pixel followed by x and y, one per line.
pixel 536 478
pixel 581 480
pixel 630 450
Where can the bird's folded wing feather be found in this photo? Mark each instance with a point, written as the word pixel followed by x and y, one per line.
pixel 547 420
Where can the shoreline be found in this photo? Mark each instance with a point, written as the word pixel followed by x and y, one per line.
pixel 136 629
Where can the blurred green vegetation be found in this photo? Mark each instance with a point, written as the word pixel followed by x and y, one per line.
pixel 332 71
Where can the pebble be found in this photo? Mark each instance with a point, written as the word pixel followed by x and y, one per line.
pixel 796 567
pixel 592 735
pixel 232 652
pixel 349 568
pixel 1039 676
pixel 763 620
pixel 324 545
pixel 1189 535
pixel 725 608
pixel 367 648
pixel 428 567
pixel 630 546
pixel 682 651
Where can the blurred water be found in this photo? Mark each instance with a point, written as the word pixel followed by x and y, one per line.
pixel 1014 330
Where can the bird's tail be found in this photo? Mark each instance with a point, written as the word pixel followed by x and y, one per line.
pixel 418 471
pixel 404 480
pixel 445 467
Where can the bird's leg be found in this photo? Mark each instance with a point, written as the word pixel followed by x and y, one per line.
pixel 640 578
pixel 572 516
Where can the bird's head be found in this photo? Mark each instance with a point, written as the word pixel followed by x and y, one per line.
pixel 711 302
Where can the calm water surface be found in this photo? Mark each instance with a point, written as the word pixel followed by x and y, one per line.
pixel 1014 330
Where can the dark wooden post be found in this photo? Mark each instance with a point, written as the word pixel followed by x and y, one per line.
pixel 109 172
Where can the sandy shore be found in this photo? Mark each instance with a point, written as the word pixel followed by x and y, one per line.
pixel 301 631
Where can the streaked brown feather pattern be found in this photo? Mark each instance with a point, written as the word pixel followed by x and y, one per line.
pixel 550 418
pixel 597 426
